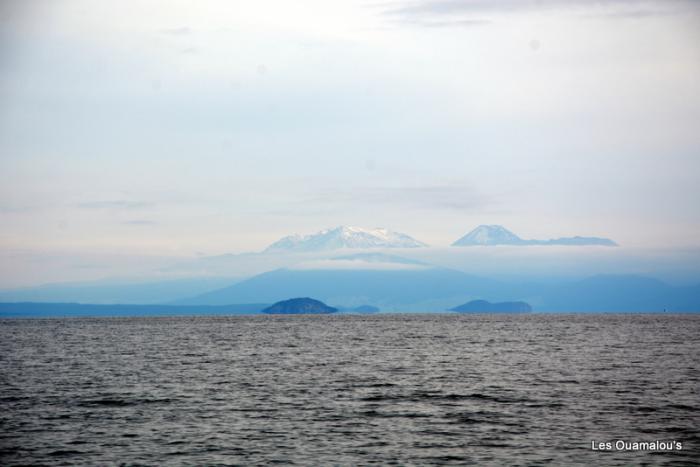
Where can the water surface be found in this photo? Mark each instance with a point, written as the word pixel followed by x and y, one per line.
pixel 349 390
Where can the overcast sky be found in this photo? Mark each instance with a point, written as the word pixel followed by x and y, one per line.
pixel 172 128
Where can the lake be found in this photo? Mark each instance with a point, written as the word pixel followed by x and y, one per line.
pixel 395 389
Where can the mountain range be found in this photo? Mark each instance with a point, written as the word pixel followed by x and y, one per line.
pixel 362 238
pixel 490 235
pixel 427 289
pixel 344 237
pixel 390 290
pixel 432 288
pixel 373 278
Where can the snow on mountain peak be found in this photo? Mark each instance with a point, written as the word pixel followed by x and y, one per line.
pixel 345 237
pixel 499 235
pixel 489 235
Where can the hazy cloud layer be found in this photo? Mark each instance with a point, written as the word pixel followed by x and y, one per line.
pixel 139 222
pixel 181 31
pixel 439 12
pixel 355 265
pixel 460 197
pixel 114 204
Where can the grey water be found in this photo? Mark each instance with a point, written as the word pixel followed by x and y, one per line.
pixel 349 390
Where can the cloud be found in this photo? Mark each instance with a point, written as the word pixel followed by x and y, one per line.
pixel 452 196
pixel 336 264
pixel 182 31
pixel 6 209
pixel 139 222
pixel 114 204
pixel 428 22
pixel 465 13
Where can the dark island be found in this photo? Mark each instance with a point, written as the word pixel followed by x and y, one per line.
pixel 299 306
pixel 482 306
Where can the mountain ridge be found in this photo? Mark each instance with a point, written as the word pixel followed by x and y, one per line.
pixel 436 288
pixel 344 237
pixel 386 289
pixel 426 290
pixel 492 235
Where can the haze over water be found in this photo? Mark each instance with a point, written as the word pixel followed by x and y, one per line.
pixel 348 390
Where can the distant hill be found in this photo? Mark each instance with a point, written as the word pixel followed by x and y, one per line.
pixel 575 241
pixel 113 292
pixel 46 310
pixel 299 306
pixel 433 289
pixel 482 306
pixel 490 235
pixel 424 289
pixel 344 237
pixel 421 289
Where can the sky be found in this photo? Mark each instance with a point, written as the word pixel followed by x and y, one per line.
pixel 134 132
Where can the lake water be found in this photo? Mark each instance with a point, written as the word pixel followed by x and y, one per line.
pixel 349 390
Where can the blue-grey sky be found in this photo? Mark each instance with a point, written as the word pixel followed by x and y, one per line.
pixel 132 131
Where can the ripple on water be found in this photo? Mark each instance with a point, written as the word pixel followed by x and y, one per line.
pixel 348 390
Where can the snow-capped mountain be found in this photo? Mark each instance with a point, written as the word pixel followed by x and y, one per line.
pixel 489 235
pixel 499 235
pixel 345 237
